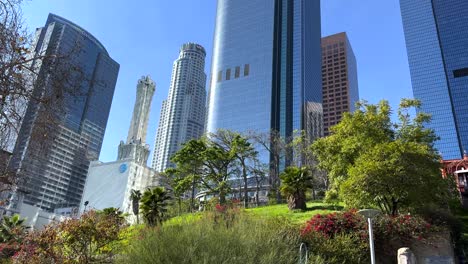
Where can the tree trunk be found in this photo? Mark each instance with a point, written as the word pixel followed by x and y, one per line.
pixel 192 204
pixel 394 207
pixel 297 201
pixel 246 196
pixel 256 194
pixel 222 198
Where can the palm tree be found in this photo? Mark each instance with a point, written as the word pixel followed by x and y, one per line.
pixel 135 196
pixel 294 184
pixel 11 228
pixel 153 205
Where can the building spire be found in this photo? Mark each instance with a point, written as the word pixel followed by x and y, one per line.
pixel 136 148
pixel 139 123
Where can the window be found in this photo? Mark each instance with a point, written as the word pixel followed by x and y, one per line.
pixel 460 73
pixel 237 73
pixel 246 69
pixel 228 74
pixel 220 76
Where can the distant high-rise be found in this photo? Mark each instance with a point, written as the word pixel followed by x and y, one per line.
pixel 339 79
pixel 56 179
pixel 437 45
pixel 136 148
pixel 183 112
pixel 266 66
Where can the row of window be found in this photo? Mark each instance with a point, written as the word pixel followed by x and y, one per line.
pixel 237 73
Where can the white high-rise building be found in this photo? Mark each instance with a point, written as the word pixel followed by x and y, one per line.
pixel 110 184
pixel 183 112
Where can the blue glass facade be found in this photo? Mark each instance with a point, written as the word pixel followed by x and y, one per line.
pixel 56 178
pixel 279 42
pixel 437 44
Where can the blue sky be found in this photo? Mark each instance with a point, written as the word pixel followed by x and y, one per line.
pixel 144 37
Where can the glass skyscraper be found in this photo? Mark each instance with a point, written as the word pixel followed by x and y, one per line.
pixel 54 176
pixel 437 44
pixel 266 65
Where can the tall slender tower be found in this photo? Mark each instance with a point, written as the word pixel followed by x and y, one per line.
pixel 56 178
pixel 110 184
pixel 136 148
pixel 183 112
pixel 437 44
pixel 266 66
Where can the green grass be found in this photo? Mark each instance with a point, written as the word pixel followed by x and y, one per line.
pixel 298 217
pixel 269 211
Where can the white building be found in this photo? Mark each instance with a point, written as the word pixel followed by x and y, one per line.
pixel 183 112
pixel 110 184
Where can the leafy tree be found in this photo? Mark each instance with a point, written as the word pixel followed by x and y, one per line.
pixel 207 164
pixel 154 204
pixel 277 147
pixel 180 184
pixel 394 175
pixel 372 161
pixel 243 151
pixel 135 197
pixel 294 183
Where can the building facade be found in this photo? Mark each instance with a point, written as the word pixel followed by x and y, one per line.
pixel 437 41
pixel 53 175
pixel 266 66
pixel 183 112
pixel 339 79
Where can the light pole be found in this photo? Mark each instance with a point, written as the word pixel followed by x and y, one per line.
pixel 369 214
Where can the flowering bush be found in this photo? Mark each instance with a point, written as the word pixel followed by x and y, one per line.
pixel 335 223
pixel 402 228
pixel 84 240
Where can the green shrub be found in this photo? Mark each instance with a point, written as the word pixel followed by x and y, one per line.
pixel 341 249
pixel 245 240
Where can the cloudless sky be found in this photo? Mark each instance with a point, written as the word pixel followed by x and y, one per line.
pixel 144 37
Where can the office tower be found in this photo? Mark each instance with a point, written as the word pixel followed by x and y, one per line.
pixel 437 45
pixel 314 121
pixel 183 112
pixel 136 148
pixel 266 66
pixel 56 178
pixel 339 79
pixel 109 184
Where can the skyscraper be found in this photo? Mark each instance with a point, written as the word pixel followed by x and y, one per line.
pixel 56 179
pixel 183 112
pixel 109 184
pixel 136 147
pixel 437 45
pixel 339 79
pixel 266 66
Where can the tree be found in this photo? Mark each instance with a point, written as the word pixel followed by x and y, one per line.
pixel 276 146
pixel 372 161
pixel 204 162
pixel 294 183
pixel 395 175
pixel 154 204
pixel 33 80
pixel 243 151
pixel 135 197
